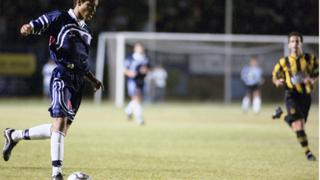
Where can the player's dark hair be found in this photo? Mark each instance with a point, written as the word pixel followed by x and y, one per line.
pixel 294 33
pixel 76 1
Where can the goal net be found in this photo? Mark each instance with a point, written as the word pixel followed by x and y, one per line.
pixel 199 66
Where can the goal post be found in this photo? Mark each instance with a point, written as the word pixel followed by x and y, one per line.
pixel 112 46
pixel 116 51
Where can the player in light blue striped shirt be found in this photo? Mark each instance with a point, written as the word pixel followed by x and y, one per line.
pixel 252 78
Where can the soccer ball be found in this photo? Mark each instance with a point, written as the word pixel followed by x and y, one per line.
pixel 79 176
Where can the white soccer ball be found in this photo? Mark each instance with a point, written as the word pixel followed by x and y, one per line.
pixel 79 176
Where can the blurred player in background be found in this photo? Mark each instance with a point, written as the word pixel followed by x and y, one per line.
pixel 159 77
pixel 136 68
pixel 46 74
pixel 69 43
pixel 298 72
pixel 252 77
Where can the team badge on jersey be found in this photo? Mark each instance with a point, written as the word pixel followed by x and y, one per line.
pixel 292 111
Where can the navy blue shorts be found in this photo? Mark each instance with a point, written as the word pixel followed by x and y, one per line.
pixel 66 94
pixel 134 88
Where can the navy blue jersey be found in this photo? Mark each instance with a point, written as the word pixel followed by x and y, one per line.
pixel 69 39
pixel 134 63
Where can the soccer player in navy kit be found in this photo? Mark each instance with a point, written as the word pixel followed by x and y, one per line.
pixel 69 43
pixel 136 68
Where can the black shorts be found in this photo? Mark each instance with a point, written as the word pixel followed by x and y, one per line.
pixel 297 105
pixel 252 88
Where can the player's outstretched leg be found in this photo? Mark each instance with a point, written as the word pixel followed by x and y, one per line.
pixel 12 137
pixel 57 177
pixel 9 144
pixel 277 113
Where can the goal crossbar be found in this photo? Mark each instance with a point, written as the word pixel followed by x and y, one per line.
pixel 117 91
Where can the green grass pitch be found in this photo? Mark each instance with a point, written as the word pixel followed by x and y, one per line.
pixel 179 141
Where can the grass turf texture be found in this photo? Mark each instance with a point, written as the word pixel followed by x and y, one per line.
pixel 179 141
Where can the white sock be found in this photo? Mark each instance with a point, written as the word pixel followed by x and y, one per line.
pixel 245 103
pixel 57 144
pixel 129 108
pixel 17 135
pixel 137 111
pixel 56 170
pixel 256 104
pixel 38 132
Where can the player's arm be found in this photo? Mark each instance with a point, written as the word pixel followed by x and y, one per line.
pixel 277 73
pixel 26 29
pixel 243 73
pixel 129 73
pixel 314 74
pixel 39 25
pixel 144 69
pixel 94 81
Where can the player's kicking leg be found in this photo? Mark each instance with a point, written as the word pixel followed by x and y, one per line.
pixel 9 144
pixel 277 113
pixel 12 137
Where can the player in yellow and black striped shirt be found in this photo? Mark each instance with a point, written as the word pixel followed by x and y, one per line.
pixel 298 72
